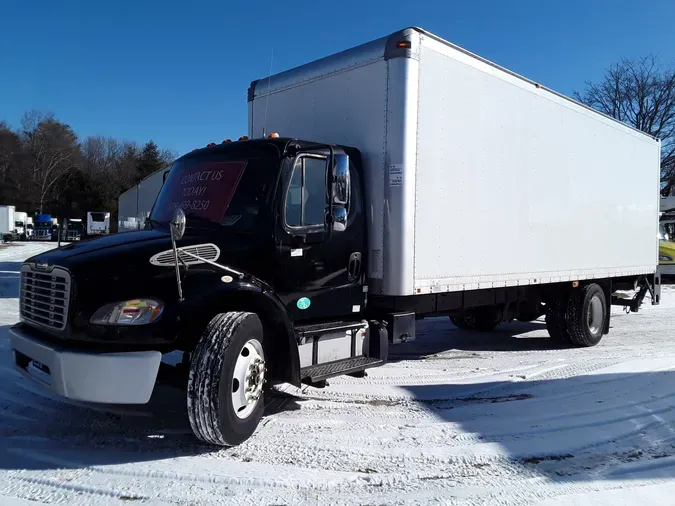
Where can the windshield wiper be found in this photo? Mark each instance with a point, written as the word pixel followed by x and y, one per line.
pixel 202 220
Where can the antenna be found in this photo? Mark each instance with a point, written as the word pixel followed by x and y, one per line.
pixel 267 97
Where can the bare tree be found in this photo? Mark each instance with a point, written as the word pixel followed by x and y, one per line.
pixel 52 151
pixel 640 93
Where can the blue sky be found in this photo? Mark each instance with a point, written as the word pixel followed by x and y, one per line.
pixel 177 72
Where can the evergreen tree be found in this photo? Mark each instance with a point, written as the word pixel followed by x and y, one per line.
pixel 149 160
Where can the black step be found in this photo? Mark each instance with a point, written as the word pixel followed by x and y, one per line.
pixel 319 372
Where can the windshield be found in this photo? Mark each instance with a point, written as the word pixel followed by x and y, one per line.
pixel 18 223
pixel 97 216
pixel 216 189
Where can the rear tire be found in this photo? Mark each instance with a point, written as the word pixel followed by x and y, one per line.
pixel 460 322
pixel 556 323
pixel 483 319
pixel 225 397
pixel 586 315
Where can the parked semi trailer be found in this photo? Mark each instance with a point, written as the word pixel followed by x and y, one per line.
pixel 98 223
pixel 72 230
pixel 30 229
pixel 43 227
pixel 20 220
pixel 359 203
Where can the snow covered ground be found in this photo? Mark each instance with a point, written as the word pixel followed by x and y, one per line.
pixel 454 418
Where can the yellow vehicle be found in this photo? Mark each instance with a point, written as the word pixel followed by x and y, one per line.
pixel 666 253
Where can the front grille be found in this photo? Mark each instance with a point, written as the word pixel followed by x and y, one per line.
pixel 45 296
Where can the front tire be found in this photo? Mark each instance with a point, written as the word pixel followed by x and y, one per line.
pixel 225 398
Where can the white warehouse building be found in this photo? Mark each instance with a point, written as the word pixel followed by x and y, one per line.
pixel 135 204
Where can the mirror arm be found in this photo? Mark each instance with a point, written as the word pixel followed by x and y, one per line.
pixel 175 260
pixel 329 217
pixel 177 229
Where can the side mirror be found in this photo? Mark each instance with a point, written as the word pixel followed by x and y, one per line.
pixel 341 180
pixel 177 225
pixel 339 218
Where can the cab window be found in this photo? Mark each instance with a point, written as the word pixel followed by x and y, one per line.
pixel 306 196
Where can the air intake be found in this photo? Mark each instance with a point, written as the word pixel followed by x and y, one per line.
pixel 209 252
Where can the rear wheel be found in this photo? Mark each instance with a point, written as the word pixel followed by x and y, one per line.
pixel 227 373
pixel 460 322
pixel 556 324
pixel 586 315
pixel 483 319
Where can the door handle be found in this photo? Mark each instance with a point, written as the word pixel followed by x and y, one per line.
pixel 354 268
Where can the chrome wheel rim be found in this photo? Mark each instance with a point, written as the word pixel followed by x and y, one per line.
pixel 248 378
pixel 595 315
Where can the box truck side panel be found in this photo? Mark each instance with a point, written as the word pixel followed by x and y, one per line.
pixel 338 100
pixel 516 185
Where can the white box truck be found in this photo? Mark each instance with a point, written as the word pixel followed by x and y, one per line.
pixel 98 223
pixel 7 224
pixel 401 179
pixel 20 224
pixel 30 229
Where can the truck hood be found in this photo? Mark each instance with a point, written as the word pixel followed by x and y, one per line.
pixel 125 258
pixel 56 256
pixel 667 249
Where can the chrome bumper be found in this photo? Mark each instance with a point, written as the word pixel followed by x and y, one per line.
pixel 110 378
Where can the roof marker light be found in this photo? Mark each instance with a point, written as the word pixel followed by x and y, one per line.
pixel 273 135
pixel 243 138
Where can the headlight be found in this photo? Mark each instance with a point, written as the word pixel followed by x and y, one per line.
pixel 129 312
pixel 665 258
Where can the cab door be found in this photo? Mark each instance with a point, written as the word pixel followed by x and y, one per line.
pixel 319 273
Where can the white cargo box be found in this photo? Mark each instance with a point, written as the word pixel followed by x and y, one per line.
pixel 475 177
pixel 7 220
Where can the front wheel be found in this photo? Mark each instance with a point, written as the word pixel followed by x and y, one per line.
pixel 227 373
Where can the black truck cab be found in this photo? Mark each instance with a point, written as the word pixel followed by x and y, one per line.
pixel 265 280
